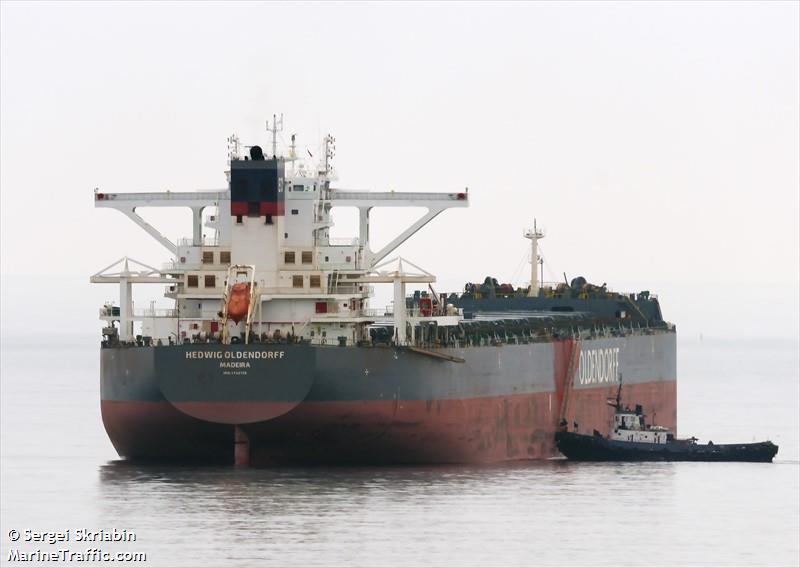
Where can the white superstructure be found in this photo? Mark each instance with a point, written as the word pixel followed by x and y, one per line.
pixel 628 425
pixel 306 284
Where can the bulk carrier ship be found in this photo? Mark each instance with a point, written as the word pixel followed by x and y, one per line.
pixel 271 353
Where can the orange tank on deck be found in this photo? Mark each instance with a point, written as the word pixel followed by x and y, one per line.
pixel 239 301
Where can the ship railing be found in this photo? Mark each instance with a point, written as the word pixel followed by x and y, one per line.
pixel 156 313
pixel 351 288
pixel 410 312
pixel 435 312
pixel 376 312
pixel 204 242
pixel 172 265
pixel 280 291
pixel 339 289
pixel 348 242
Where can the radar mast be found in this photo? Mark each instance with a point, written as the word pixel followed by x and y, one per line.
pixel 534 235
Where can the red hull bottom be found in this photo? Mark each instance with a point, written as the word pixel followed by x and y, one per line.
pixel 476 430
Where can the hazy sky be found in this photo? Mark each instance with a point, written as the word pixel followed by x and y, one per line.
pixel 658 144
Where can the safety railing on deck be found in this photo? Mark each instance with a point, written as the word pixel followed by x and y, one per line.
pixel 351 288
pixel 388 311
pixel 376 312
pixel 172 265
pixel 114 311
pixel 205 242
pixel 156 313
pixel 343 242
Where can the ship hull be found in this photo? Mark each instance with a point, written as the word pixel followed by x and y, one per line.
pixel 376 405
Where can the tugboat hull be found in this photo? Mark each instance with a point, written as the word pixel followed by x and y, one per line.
pixel 581 447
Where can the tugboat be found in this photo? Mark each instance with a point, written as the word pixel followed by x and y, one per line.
pixel 632 439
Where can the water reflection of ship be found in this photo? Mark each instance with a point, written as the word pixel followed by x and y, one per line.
pixel 305 500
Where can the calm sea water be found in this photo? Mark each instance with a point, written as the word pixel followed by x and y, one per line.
pixel 60 472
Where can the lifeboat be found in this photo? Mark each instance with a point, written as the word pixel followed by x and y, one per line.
pixel 239 301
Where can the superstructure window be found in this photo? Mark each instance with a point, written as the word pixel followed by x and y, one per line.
pixel 313 281
pixel 225 257
pixel 297 281
pixel 210 281
pixel 208 257
pixel 306 257
pixel 295 211
pixel 288 257
pixel 191 281
pixel 298 188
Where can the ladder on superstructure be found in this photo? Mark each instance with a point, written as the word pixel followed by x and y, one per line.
pixel 334 282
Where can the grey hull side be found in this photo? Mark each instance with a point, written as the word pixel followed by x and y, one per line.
pixel 322 373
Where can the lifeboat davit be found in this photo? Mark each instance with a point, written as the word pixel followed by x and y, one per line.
pixel 239 301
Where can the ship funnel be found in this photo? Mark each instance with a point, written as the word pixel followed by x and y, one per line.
pixel 256 153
